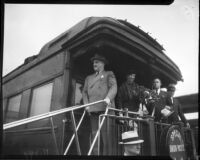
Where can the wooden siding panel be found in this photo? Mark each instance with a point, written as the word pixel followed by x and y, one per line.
pixel 34 76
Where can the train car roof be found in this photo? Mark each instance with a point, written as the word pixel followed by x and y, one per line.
pixel 57 43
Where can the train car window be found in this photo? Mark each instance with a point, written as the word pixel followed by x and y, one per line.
pixel 41 99
pixel 13 108
pixel 78 94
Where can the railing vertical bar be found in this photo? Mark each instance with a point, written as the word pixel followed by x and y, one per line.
pixel 76 135
pixel 54 135
pixel 99 135
pixel 116 130
pixel 63 134
pixel 193 143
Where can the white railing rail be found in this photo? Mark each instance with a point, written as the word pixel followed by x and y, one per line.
pixel 46 115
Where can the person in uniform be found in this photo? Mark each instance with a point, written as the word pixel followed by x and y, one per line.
pixel 132 143
pixel 158 101
pixel 175 107
pixel 101 85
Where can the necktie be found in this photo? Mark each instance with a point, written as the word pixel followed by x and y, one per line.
pixel 157 92
pixel 97 73
pixel 172 100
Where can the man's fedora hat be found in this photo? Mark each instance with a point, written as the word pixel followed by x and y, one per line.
pixel 100 58
pixel 131 137
pixel 171 87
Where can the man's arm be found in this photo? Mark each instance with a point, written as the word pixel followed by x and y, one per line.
pixel 112 85
pixel 119 98
pixel 180 113
pixel 85 93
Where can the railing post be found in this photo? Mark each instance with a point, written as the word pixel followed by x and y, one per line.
pixel 193 143
pixel 75 132
pixel 63 134
pixel 54 135
pixel 152 137
pixel 99 135
pixel 189 132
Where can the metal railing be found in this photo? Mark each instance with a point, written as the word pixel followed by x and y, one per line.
pixel 50 115
pixel 75 128
pixel 46 115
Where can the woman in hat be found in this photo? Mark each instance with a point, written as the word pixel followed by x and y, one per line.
pixel 130 93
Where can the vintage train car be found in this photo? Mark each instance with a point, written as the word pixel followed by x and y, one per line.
pixel 53 79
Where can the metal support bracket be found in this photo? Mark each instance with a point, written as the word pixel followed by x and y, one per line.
pixel 75 132
pixel 54 135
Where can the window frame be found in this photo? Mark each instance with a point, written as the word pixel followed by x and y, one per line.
pixel 7 106
pixel 31 95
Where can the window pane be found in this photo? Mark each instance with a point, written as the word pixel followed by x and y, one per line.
pixel 41 100
pixel 13 108
pixel 78 94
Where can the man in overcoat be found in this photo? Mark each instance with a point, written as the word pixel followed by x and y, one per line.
pixel 101 85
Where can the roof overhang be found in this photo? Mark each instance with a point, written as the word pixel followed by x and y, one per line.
pixel 132 40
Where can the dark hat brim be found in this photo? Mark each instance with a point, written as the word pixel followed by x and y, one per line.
pixel 133 142
pixel 100 59
pixel 171 89
pixel 131 72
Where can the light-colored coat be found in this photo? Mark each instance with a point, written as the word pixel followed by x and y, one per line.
pixel 98 87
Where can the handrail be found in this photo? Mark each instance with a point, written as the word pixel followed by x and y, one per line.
pixel 46 115
pixel 102 121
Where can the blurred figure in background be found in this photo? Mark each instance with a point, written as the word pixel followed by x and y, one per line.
pixel 175 107
pixel 131 143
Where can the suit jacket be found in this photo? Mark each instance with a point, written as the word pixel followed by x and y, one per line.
pixel 99 87
pixel 158 104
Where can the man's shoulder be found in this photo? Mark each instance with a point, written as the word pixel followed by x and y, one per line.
pixel 109 72
pixel 123 85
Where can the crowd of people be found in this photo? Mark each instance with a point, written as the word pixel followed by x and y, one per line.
pixel 102 85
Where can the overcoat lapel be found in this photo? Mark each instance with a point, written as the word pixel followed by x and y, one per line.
pixel 94 79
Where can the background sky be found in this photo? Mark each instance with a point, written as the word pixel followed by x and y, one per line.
pixel 28 27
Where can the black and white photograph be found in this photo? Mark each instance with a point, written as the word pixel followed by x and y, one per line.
pixel 100 80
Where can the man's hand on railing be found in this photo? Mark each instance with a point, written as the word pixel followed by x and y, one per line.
pixel 107 100
pixel 187 125
pixel 86 109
